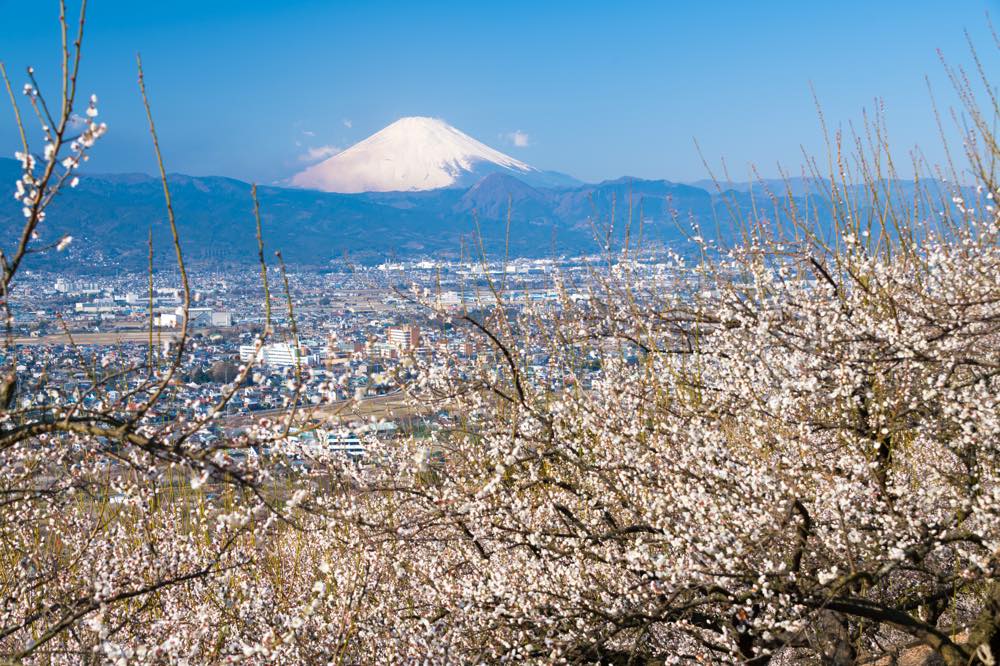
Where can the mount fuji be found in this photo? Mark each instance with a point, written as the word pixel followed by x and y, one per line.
pixel 415 154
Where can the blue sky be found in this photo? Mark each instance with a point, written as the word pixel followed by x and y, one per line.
pixel 596 89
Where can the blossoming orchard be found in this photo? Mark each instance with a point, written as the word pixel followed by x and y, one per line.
pixel 789 454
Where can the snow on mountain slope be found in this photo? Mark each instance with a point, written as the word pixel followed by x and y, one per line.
pixel 411 154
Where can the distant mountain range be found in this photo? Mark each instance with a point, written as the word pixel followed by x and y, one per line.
pixel 417 188
pixel 109 217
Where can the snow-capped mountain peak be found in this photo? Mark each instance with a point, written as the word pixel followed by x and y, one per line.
pixel 411 154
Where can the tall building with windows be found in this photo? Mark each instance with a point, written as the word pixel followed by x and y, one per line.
pixel 404 338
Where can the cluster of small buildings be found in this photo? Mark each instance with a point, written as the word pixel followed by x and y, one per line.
pixel 349 333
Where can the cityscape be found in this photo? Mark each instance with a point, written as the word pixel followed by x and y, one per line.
pixel 357 332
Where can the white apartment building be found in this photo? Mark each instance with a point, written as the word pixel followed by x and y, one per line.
pixel 279 355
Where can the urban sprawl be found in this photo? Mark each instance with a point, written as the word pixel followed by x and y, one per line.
pixel 344 336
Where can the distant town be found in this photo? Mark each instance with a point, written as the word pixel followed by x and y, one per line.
pixel 346 336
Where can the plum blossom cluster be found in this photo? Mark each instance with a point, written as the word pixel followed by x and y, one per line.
pixel 793 459
pixel 43 175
